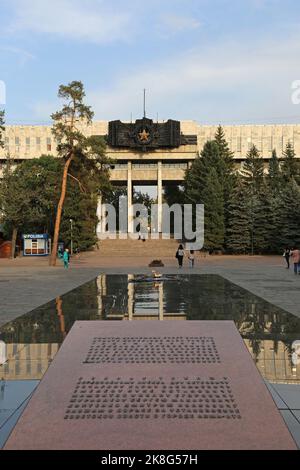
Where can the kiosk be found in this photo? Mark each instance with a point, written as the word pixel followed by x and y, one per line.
pixel 37 245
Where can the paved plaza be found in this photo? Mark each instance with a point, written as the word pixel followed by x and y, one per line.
pixel 26 284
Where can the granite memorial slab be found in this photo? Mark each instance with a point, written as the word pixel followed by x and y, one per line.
pixel 151 386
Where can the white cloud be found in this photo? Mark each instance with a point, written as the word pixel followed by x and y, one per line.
pixel 88 20
pixel 24 56
pixel 173 24
pixel 224 82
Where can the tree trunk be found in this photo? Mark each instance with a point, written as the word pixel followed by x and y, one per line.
pixel 59 212
pixel 14 242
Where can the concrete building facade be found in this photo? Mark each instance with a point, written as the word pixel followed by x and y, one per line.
pixel 157 167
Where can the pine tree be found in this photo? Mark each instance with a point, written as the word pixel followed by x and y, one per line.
pixel 290 166
pixel 238 233
pixel 70 141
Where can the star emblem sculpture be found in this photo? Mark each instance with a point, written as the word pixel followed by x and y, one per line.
pixel 144 136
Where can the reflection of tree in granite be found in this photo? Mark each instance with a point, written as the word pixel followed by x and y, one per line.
pixel 61 317
pixel 78 305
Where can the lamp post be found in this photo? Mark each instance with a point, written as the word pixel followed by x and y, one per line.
pixel 71 223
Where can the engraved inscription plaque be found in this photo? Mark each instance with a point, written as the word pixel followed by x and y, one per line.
pixel 153 350
pixel 151 385
pixel 187 398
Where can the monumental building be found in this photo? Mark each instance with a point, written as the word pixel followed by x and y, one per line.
pixel 153 153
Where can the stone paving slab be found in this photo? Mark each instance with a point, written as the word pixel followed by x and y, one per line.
pixel 27 288
pixel 190 385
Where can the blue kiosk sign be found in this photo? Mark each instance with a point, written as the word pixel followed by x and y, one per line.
pixel 37 245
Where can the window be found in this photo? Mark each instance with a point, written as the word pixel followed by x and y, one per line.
pixel 17 141
pixel 49 146
pixel 38 141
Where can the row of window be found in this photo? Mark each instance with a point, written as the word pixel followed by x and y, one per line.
pixel 28 141
pixel 262 143
pixel 151 166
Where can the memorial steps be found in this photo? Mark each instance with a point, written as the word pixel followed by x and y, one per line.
pixel 133 248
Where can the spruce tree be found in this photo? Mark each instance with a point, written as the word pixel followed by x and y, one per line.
pixel 290 166
pixel 238 233
pixel 262 221
pixel 195 179
pixel 229 175
pixel 253 169
pixel 274 173
pixel 212 198
pixel 289 213
pixel 206 172
pixel 227 158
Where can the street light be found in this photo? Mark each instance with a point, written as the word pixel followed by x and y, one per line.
pixel 71 222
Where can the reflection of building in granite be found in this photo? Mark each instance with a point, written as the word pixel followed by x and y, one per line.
pixel 146 302
pixel 275 363
pixel 27 361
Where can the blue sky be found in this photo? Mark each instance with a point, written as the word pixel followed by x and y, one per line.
pixel 206 60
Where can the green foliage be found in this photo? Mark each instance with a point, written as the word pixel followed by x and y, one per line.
pixel 274 177
pixel 253 169
pixel 204 184
pixel 67 121
pixel 212 198
pixel 288 210
pixel 174 194
pixel 229 168
pixel 290 167
pixel 29 196
pixel 238 233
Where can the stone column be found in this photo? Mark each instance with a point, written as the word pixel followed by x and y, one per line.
pixel 159 196
pixel 129 198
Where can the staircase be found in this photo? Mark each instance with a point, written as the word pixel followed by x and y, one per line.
pixel 154 249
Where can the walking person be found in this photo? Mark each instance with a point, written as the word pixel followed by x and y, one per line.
pixel 192 259
pixel 66 259
pixel 295 255
pixel 180 256
pixel 286 255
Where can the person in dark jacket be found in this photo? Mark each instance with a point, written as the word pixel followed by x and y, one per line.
pixel 180 256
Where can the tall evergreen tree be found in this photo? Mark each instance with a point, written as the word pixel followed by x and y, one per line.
pixel 290 166
pixel 71 141
pixel 238 234
pixel 207 171
pixel 227 158
pixel 229 175
pixel 262 220
pixel 289 213
pixel 274 173
pixel 196 176
pixel 212 198
pixel 253 169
